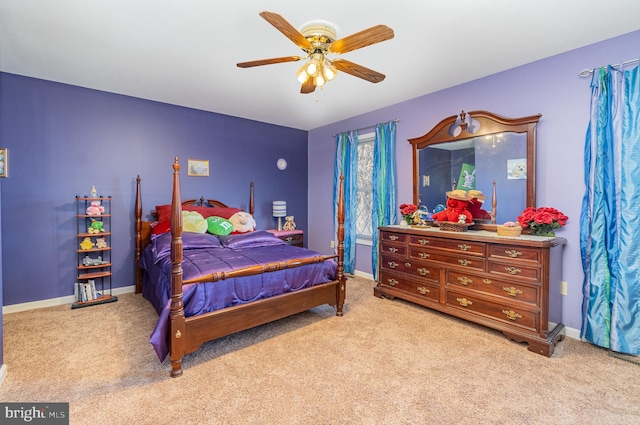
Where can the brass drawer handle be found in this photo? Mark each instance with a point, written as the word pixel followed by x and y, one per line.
pixel 513 253
pixel 510 290
pixel 423 255
pixel 407 264
pixel 464 280
pixel 487 281
pixel 423 242
pixel 512 270
pixel 464 262
pixel 512 315
pixel 289 238
pixel 423 271
pixel 393 237
pixel 393 250
pixel 423 290
pixel 464 247
pixel 392 281
pixel 464 302
pixel 393 264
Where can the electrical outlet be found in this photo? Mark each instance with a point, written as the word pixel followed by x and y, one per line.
pixel 563 287
pixel 332 244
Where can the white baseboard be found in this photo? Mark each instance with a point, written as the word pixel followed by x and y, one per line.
pixel 363 274
pixel 3 373
pixel 15 308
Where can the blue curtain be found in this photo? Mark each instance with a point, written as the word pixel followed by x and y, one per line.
pixel 610 218
pixel 384 208
pixel 346 164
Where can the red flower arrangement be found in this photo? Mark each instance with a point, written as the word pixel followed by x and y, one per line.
pixel 543 220
pixel 407 211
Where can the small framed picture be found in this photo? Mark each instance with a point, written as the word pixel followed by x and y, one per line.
pixel 198 167
pixel 3 162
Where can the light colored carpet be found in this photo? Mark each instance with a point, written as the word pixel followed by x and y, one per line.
pixel 383 362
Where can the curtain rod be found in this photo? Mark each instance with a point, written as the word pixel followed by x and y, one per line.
pixel 364 128
pixel 586 72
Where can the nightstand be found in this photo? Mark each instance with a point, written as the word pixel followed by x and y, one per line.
pixel 292 237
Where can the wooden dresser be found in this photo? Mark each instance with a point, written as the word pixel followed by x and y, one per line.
pixel 511 284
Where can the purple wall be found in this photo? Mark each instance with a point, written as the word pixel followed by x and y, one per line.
pixel 551 87
pixel 62 139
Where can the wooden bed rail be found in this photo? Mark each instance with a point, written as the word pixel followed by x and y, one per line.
pixel 260 269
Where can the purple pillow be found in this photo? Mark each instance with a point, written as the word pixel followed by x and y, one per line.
pixel 161 244
pixel 250 240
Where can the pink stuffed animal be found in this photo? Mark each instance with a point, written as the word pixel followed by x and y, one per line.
pixel 242 222
pixel 95 208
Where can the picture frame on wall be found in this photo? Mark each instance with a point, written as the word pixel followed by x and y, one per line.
pixel 4 162
pixel 198 167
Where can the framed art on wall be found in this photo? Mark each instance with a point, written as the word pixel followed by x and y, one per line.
pixel 198 167
pixel 3 162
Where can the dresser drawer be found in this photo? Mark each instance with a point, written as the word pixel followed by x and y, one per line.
pixel 467 261
pixel 505 313
pixel 514 253
pixel 414 268
pixel 515 270
pixel 409 286
pixel 393 248
pixel 466 247
pixel 393 237
pixel 500 287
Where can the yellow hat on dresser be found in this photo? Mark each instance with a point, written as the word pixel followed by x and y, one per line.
pixel 460 195
pixel 478 195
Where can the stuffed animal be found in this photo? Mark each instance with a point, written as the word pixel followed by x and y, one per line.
pixel 457 201
pixel 86 244
pixel 95 227
pixel 242 222
pixel 95 208
pixel 475 205
pixel 289 224
pixel 101 243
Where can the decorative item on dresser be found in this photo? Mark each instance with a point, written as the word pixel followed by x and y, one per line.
pixel 279 211
pixel 292 237
pixel 508 284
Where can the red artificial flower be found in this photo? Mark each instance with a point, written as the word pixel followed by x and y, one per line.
pixel 543 220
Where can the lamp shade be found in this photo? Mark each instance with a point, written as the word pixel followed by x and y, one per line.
pixel 279 208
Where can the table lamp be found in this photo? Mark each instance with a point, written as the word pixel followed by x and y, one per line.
pixel 279 211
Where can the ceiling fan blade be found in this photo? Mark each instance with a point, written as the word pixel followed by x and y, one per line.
pixel 361 39
pixel 287 29
pixel 358 70
pixel 268 61
pixel 308 86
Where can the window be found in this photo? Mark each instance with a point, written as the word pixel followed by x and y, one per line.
pixel 365 190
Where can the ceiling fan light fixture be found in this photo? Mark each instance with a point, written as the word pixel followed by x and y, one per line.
pixel 329 71
pixel 319 80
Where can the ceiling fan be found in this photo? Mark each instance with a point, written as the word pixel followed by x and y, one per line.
pixel 318 39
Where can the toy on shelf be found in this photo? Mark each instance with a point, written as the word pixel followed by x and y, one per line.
pixel 86 244
pixel 95 208
pixel 95 227
pixel 101 243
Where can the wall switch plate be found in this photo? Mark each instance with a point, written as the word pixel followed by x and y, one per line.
pixel 426 181
pixel 563 287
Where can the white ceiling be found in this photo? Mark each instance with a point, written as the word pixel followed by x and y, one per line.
pixel 184 52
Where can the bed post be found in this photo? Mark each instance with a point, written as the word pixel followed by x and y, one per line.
pixel 176 314
pixel 138 251
pixel 341 292
pixel 251 204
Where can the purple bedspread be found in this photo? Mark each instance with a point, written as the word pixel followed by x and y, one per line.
pixel 204 254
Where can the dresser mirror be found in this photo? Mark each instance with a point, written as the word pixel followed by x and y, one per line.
pixel 482 151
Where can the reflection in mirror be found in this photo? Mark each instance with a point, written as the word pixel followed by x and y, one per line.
pixel 476 163
pixel 482 151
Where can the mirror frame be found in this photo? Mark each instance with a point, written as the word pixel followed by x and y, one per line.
pixel 489 124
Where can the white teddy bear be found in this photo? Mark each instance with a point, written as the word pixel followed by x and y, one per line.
pixel 242 222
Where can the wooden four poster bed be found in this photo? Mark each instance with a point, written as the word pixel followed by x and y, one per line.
pixel 289 279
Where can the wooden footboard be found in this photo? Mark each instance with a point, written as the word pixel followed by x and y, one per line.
pixel 188 334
